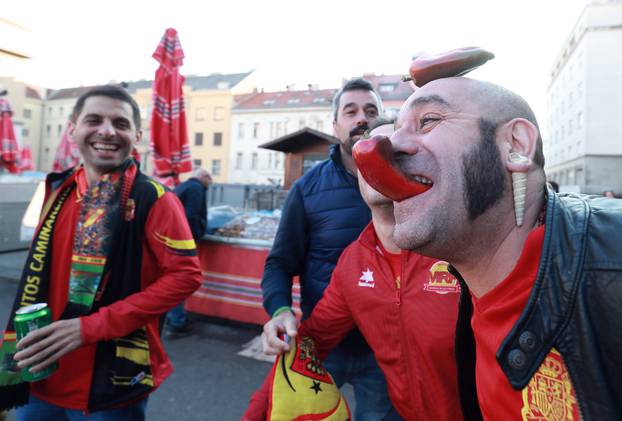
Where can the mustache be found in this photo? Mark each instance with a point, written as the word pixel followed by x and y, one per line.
pixel 359 130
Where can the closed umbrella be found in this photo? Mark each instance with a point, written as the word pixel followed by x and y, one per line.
pixel 67 153
pixel 169 138
pixel 25 159
pixel 9 151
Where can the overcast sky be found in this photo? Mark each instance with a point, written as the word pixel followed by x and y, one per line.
pixel 90 42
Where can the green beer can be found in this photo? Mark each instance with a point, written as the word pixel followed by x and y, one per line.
pixel 26 320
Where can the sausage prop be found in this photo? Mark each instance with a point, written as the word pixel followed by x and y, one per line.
pixel 374 159
pixel 461 61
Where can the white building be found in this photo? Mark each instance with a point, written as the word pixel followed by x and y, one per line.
pixel 584 148
pixel 264 116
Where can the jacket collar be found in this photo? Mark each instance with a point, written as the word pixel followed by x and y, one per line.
pixel 547 310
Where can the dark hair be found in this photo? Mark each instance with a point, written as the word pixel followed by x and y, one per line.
pixel 357 84
pixel 109 91
pixel 554 186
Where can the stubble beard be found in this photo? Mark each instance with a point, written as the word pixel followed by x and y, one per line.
pixel 484 184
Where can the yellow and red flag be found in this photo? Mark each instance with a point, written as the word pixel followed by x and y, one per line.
pixel 301 388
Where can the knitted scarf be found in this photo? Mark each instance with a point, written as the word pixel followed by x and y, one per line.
pixel 102 212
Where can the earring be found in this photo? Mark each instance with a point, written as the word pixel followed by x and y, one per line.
pixel 519 187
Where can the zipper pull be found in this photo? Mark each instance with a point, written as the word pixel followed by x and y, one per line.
pixel 398 290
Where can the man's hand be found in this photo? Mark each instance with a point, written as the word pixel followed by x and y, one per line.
pixel 42 347
pixel 283 323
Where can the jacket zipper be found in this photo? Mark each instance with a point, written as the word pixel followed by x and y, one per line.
pixel 398 294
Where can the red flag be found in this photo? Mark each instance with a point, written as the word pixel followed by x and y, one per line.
pixel 9 150
pixel 169 138
pixel 67 154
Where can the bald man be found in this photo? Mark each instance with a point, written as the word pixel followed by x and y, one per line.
pixel 541 300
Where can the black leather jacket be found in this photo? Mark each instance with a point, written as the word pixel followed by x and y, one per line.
pixel 575 306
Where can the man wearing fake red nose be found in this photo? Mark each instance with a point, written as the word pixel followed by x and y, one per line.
pixel 324 212
pixel 404 304
pixel 541 273
pixel 112 253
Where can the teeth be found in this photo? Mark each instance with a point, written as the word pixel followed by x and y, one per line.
pixel 105 146
pixel 422 180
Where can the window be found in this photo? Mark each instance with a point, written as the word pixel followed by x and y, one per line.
pixel 569 127
pixel 277 159
pixel 25 132
pixel 200 114
pixel 59 129
pixel 218 139
pixel 219 113
pixel 254 161
pixel 301 123
pixel 255 130
pixel 215 166
pixel 386 87
pixel 27 113
pixel 285 123
pixel 238 161
pixel 279 127
pixel 319 124
pixel 293 101
pixel 48 130
pixel 50 111
pixel 271 129
pixel 197 163
pixel 198 139
pixel 240 130
pixel 269 159
pixel 60 111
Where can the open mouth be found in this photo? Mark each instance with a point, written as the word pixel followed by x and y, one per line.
pixel 108 147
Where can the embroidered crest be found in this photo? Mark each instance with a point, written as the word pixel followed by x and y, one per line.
pixel 440 280
pixel 549 394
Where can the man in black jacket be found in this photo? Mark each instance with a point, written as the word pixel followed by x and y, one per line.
pixel 544 271
pixel 193 195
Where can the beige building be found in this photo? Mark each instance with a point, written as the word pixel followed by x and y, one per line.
pixel 27 105
pixel 208 104
pixel 15 46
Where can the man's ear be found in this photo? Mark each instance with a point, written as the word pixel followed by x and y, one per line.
pixel 518 146
pixel 139 136
pixel 71 128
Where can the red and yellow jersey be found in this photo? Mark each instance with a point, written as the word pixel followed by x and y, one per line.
pixel 549 394
pixel 168 274
pixel 406 308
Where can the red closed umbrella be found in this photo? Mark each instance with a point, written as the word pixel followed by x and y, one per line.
pixel 25 159
pixel 67 153
pixel 9 151
pixel 169 137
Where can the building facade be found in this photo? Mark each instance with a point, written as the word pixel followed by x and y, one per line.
pixel 26 101
pixel 265 116
pixel 584 148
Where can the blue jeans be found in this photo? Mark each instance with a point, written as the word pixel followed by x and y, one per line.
pixel 38 410
pixel 370 386
pixel 177 317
